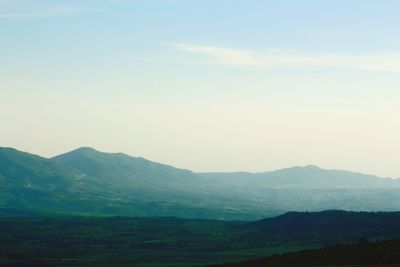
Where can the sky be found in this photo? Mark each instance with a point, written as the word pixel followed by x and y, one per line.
pixel 207 85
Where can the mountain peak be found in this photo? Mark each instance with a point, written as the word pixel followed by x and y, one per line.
pixel 85 149
pixel 310 166
pixel 86 152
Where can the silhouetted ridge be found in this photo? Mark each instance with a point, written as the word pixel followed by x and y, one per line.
pixel 328 225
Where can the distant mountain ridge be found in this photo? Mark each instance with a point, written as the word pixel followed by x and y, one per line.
pixel 309 176
pixel 90 182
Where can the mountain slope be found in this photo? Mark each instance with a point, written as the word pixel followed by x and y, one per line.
pixel 121 170
pixel 20 169
pixel 33 183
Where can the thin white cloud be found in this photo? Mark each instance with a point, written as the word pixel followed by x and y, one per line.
pixel 273 58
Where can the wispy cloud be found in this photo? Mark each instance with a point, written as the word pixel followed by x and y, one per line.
pixel 223 55
pixel 274 58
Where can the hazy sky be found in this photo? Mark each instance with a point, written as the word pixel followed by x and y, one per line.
pixel 209 85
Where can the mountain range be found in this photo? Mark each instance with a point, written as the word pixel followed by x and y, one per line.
pixel 88 182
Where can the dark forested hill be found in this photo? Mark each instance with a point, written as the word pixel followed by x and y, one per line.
pixel 328 226
pixel 364 253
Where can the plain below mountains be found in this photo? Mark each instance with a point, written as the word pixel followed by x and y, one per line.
pixel 88 182
pixel 127 241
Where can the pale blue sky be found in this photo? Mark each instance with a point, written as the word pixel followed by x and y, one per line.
pixel 217 85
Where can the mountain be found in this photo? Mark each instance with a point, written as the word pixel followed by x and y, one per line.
pixel 308 177
pixel 123 241
pixel 311 188
pixel 89 182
